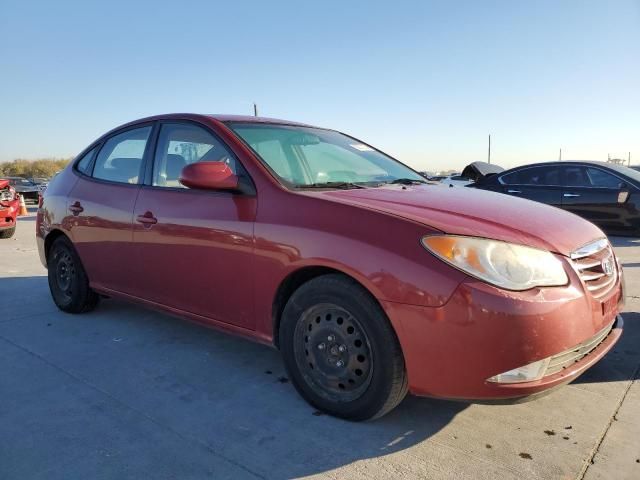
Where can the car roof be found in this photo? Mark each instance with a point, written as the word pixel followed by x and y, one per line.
pixel 619 169
pixel 216 116
pixel 253 119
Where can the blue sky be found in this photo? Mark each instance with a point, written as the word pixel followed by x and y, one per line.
pixel 424 81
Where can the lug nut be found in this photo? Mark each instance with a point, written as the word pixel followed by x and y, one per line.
pixel 342 348
pixel 331 338
pixel 321 346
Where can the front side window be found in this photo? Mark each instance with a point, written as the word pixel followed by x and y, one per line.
pixel 577 177
pixel 535 176
pixel 120 159
pixel 600 178
pixel 182 144
pixel 306 156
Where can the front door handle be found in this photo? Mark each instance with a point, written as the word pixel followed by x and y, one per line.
pixel 147 219
pixel 570 195
pixel 76 208
pixel 513 191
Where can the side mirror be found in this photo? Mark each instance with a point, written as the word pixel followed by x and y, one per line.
pixel 209 176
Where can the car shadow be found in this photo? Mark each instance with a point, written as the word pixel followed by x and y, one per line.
pixel 227 393
pixel 622 363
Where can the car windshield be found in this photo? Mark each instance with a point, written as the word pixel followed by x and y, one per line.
pixel 312 157
pixel 22 182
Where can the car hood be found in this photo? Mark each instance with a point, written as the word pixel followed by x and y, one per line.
pixel 3 183
pixel 465 211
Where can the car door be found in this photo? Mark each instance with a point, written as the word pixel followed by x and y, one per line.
pixel 595 194
pixel 101 207
pixel 195 247
pixel 539 183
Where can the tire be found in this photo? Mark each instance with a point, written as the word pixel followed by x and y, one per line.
pixel 340 350
pixel 8 232
pixel 68 281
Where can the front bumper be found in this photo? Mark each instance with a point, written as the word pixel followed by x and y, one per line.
pixel 8 214
pixel 451 351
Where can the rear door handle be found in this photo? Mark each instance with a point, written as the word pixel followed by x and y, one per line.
pixel 570 195
pixel 147 219
pixel 76 208
pixel 513 191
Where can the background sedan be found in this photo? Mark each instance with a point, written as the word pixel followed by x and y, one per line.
pixel 605 194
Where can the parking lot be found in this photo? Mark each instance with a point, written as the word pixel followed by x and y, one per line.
pixel 125 392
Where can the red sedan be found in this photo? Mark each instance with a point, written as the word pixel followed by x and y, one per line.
pixel 371 281
pixel 9 207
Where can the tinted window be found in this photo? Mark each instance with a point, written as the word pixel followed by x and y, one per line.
pixel 180 145
pixel 600 178
pixel 577 177
pixel 84 163
pixel 120 159
pixel 533 176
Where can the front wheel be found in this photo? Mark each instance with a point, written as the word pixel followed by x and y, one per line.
pixel 340 350
pixel 68 281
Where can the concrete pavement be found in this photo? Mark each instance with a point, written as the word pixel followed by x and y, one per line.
pixel 125 392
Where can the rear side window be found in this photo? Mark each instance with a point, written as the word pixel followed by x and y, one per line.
pixel 120 159
pixel 84 164
pixel 541 176
pixel 182 144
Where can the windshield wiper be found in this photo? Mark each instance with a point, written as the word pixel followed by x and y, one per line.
pixel 344 185
pixel 407 181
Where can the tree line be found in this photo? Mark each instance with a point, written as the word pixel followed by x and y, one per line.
pixel 42 167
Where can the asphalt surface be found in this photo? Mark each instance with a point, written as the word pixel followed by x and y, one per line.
pixel 128 393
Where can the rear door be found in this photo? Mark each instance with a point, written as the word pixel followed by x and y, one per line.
pixel 595 194
pixel 101 207
pixel 195 247
pixel 539 183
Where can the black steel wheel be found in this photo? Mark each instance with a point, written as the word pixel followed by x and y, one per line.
pixel 333 352
pixel 340 349
pixel 68 281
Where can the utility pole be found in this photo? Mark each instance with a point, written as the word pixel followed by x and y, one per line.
pixel 489 152
pixel 629 159
pixel 560 156
pixel 255 109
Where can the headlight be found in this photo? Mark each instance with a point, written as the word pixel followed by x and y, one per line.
pixel 505 265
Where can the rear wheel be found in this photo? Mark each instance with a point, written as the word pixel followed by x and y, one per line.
pixel 8 232
pixel 68 281
pixel 340 350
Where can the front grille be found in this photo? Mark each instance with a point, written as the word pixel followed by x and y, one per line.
pixel 596 266
pixel 567 358
pixel 6 195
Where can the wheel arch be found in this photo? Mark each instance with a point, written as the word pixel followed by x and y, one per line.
pixel 50 238
pixel 295 280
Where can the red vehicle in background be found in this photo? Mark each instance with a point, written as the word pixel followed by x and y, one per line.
pixel 371 281
pixel 9 208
